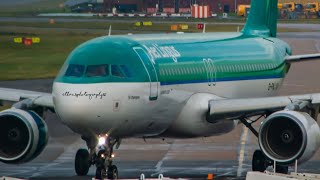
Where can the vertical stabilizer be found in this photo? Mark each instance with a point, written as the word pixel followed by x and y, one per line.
pixel 262 19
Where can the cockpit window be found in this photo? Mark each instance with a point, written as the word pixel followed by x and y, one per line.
pixel 74 70
pixel 126 70
pixel 116 71
pixel 97 70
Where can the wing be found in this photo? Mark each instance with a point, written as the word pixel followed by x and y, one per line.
pixel 299 58
pixel 33 98
pixel 238 108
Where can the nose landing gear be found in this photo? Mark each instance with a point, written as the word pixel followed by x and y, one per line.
pixel 101 154
pixel 104 151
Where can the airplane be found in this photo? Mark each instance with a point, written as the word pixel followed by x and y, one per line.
pixel 170 85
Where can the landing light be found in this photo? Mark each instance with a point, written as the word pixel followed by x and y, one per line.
pixel 102 140
pixel 112 155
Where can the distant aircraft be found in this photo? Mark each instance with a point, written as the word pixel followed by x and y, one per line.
pixel 170 85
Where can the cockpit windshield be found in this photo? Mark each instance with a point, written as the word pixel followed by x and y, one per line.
pixel 75 70
pixel 102 70
pixel 97 70
pixel 126 70
pixel 116 71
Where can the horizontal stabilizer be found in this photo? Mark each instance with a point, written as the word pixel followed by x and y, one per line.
pixel 303 57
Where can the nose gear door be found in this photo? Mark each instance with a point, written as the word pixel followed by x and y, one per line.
pixel 151 72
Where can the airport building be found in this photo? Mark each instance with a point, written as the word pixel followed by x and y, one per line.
pixel 161 6
pixel 172 6
pixel 153 6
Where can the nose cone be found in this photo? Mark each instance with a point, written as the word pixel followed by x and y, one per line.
pixel 81 104
pixel 88 100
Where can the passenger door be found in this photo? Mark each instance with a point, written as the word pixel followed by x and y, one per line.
pixel 151 71
pixel 211 71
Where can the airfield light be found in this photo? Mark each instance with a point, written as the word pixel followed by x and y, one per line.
pixel 200 26
pixel 210 177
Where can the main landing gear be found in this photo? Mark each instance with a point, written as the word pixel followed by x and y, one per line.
pixel 100 155
pixel 259 161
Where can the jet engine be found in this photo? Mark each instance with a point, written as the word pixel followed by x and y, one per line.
pixel 23 136
pixel 286 136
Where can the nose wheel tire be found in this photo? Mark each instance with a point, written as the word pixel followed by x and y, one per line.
pixel 101 173
pixel 112 172
pixel 82 162
pixel 259 161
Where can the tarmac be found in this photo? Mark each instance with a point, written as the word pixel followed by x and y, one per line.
pixel 227 156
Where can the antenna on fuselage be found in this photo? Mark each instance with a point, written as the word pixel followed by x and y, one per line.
pixel 109 34
pixel 204 28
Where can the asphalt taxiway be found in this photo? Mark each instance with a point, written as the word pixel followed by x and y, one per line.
pixel 227 156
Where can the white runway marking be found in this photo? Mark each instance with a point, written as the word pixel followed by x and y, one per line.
pixel 67 156
pixel 243 140
pixel 159 164
pixel 317 46
pixel 297 85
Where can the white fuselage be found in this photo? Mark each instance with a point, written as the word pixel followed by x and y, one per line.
pixel 124 109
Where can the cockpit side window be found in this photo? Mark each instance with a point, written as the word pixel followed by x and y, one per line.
pixel 74 70
pixel 97 70
pixel 126 71
pixel 116 71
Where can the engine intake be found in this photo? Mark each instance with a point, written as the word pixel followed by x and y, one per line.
pixel 23 136
pixel 286 136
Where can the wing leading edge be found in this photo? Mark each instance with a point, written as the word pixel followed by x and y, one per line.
pixel 36 98
pixel 237 108
pixel 303 57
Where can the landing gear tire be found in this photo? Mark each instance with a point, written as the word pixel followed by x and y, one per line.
pixel 101 173
pixel 112 172
pixel 282 169
pixel 82 162
pixel 259 161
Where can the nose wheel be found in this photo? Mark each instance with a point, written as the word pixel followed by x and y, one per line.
pixel 82 162
pixel 101 173
pixel 112 172
pixel 103 160
pixel 101 155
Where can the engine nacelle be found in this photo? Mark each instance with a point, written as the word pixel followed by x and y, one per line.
pixel 23 136
pixel 286 136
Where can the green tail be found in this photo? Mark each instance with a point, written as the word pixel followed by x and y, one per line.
pixel 262 20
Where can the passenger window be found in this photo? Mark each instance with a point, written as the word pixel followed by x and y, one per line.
pixel 97 70
pixel 74 70
pixel 116 71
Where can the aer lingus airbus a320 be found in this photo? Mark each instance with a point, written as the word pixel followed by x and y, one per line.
pixel 170 85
